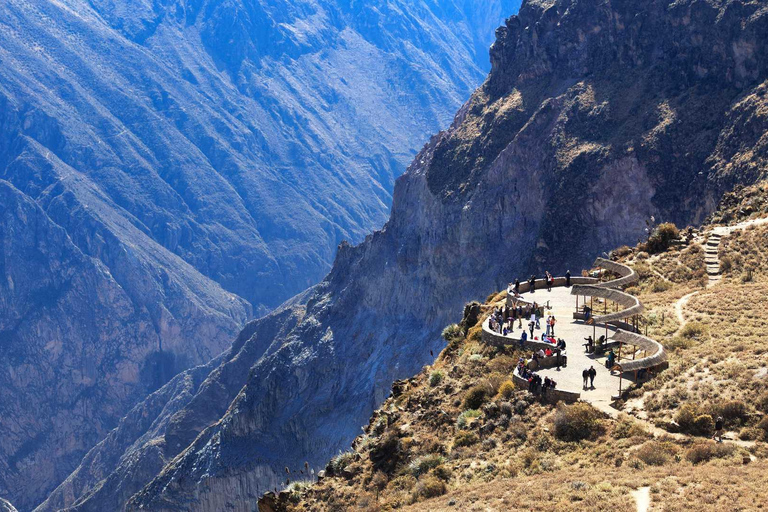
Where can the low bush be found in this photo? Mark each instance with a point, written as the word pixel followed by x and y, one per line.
pixel 626 427
pixel 443 473
pixel 452 332
pixel 732 411
pixel 694 331
pixel 436 378
pixel 660 239
pixel 422 465
pixel 685 417
pixel 704 451
pixel 654 453
pixel 507 389
pixel 429 487
pixel 475 397
pixel 340 462
pixel 466 417
pixel 386 454
pixel 577 422
pixel 465 438
pixel 703 425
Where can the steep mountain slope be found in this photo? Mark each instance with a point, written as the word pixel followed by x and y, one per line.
pixel 202 159
pixel 596 116
pixel 459 435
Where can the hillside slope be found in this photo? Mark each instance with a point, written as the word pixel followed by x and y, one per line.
pixel 458 436
pixel 203 160
pixel 595 117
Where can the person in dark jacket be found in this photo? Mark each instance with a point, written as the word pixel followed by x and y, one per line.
pixel 592 375
pixel 568 278
pixel 718 429
pixel 585 376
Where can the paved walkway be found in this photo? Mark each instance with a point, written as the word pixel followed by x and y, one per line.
pixel 573 332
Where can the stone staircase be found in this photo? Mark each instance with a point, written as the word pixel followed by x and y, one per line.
pixel 710 258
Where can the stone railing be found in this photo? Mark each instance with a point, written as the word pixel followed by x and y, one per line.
pixel 541 284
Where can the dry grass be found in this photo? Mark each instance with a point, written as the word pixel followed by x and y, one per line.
pixel 461 438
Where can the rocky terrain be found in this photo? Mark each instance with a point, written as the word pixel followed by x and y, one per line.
pixel 170 170
pixel 596 116
pixel 461 435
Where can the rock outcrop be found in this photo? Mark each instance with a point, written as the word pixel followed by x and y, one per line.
pixel 595 117
pixel 170 170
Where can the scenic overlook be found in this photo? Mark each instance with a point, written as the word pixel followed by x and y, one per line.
pixel 383 255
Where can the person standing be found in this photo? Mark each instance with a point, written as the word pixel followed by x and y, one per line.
pixel 718 429
pixel 523 339
pixel 585 376
pixel 568 278
pixel 552 324
pixel 532 283
pixel 517 287
pixel 558 353
pixel 549 325
pixel 592 374
pixel 532 324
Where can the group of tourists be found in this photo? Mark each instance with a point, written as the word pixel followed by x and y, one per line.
pixel 535 383
pixel 502 319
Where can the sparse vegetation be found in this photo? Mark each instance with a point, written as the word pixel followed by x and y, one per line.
pixel 576 422
pixel 463 429
pixel 436 378
pixel 660 238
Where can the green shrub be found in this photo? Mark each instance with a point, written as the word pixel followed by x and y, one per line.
pixel 429 487
pixel 436 378
pixel 297 489
pixel 465 438
pixel 704 451
pixel 453 332
pixel 464 418
pixel 340 462
pixel 576 422
pixel 423 464
pixel 507 389
pixel 660 285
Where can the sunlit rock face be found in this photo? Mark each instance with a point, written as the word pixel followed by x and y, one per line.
pixel 595 117
pixel 170 170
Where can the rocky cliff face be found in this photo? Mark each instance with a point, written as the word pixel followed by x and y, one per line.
pixel 175 168
pixel 596 116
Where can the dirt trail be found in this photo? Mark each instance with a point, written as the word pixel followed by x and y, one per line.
pixel 679 305
pixel 642 499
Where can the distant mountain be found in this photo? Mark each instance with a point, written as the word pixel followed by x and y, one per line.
pixel 171 169
pixel 596 116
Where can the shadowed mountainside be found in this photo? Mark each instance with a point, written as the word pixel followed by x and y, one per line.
pixel 596 116
pixel 173 169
